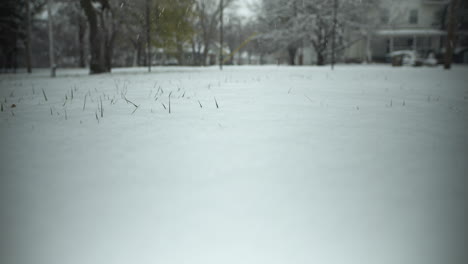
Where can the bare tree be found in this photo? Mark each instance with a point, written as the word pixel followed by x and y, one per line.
pixel 148 35
pixel 289 23
pixel 450 41
pixel 335 11
pixel 103 26
pixel 51 39
pixel 208 18
pixel 221 34
pixel 134 27
pixel 28 37
pixel 81 37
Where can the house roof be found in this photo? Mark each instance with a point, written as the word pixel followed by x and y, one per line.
pixel 410 32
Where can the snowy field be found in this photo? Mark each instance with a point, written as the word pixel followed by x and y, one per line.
pixel 365 164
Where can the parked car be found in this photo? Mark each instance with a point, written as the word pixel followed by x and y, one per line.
pixel 411 58
pixel 405 58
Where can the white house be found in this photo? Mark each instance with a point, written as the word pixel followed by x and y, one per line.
pixel 403 25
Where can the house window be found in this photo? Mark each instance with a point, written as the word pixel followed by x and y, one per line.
pixel 413 18
pixel 385 16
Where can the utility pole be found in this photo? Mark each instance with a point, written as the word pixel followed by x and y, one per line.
pixel 51 39
pixel 450 41
pixel 148 35
pixel 335 10
pixel 221 35
pixel 28 36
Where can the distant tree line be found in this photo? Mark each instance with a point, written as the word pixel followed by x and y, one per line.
pixel 102 34
pixel 316 23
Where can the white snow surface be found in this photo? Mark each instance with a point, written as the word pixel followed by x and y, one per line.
pixel 364 164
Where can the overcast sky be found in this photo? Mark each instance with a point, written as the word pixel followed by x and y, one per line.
pixel 244 7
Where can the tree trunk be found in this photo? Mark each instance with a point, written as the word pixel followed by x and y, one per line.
pixel 144 55
pixel 194 54
pixel 221 35
pixel 450 41
pixel 320 59
pixel 148 35
pixel 335 10
pixel 15 60
pixel 97 63
pixel 110 35
pixel 81 42
pixel 139 63
pixel 51 39
pixel 198 54
pixel 135 58
pixel 108 54
pixel 292 55
pixel 368 48
pixel 28 37
pixel 205 53
pixel 180 56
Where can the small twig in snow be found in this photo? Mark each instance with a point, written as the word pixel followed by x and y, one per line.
pixel 135 110
pixel 45 96
pixel 84 104
pixel 102 107
pixel 130 102
pixel 170 102
pixel 216 102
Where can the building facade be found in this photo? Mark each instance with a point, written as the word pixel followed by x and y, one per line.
pixel 404 25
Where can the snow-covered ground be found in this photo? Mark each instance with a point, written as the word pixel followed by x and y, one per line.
pixel 365 164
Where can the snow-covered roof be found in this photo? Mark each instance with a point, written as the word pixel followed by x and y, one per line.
pixel 410 32
pixel 403 52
